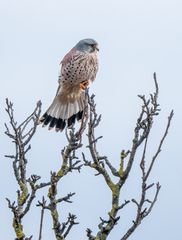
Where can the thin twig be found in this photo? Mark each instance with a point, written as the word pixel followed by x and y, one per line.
pixel 42 218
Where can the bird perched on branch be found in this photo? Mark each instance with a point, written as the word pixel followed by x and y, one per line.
pixel 78 68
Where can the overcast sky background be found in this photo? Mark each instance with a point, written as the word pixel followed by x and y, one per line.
pixel 136 38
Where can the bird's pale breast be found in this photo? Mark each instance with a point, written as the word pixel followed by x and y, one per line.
pixel 79 68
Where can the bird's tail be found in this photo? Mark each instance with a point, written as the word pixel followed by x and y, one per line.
pixel 62 113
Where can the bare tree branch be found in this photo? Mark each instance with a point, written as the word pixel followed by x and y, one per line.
pixel 114 177
pixel 28 186
pixel 160 144
pixel 150 109
pixel 42 205
pixel 21 136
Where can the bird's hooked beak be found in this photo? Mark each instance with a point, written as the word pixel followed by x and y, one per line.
pixel 97 47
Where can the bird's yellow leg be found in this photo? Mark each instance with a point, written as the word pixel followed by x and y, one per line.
pixel 84 85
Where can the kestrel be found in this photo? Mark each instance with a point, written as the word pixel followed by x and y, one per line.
pixel 78 68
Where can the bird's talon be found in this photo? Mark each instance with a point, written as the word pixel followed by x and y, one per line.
pixel 84 85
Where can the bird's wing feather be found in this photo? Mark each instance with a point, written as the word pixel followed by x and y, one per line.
pixel 68 65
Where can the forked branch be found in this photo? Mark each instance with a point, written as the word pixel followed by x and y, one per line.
pixel 116 178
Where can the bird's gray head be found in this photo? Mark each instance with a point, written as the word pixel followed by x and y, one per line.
pixel 87 45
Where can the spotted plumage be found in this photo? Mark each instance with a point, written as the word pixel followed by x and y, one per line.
pixel 78 68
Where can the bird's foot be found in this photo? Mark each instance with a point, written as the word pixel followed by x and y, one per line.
pixel 84 85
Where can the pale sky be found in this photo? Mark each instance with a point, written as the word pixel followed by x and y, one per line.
pixel 136 38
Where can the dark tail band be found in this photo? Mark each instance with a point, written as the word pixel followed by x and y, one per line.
pixel 60 124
